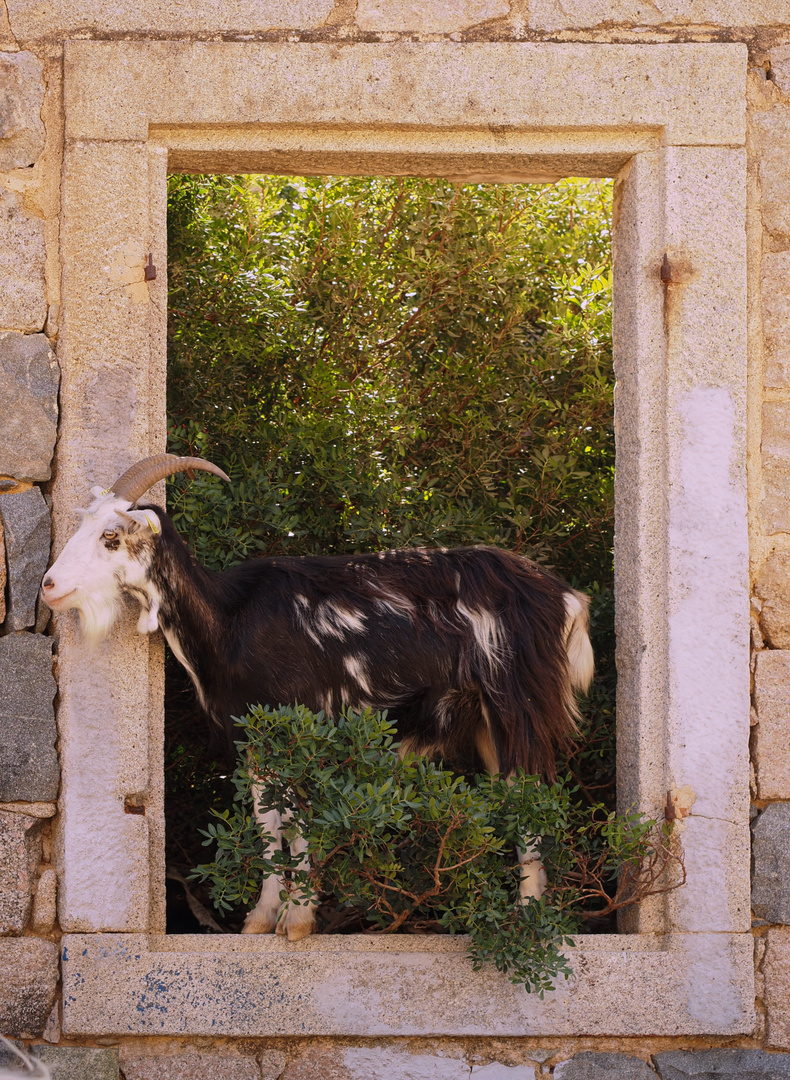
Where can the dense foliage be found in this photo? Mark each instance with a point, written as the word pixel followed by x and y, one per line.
pixel 407 843
pixel 389 362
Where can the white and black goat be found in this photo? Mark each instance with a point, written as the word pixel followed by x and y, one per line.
pixel 476 653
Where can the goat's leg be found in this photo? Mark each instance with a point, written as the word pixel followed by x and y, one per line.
pixel 533 873
pixel 263 917
pixel 297 917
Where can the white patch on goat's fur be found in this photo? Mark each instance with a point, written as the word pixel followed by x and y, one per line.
pixel 326 703
pixel 581 662
pixel 178 652
pixel 335 621
pixel 443 711
pixel 302 607
pixel 355 666
pixel 394 603
pixel 485 628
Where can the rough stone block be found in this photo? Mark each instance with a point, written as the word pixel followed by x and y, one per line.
pixel 496 1071
pixel 29 378
pixel 427 16
pixel 45 902
pixel 374 1063
pixel 384 1063
pixel 591 1066
pixel 583 14
pixel 772 733
pixel 775 506
pixel 197 17
pixel 775 303
pixel 780 67
pixel 192 1065
pixel 8 1059
pixel 21 98
pixel 776 973
pixel 712 1064
pixel 771 852
pixel 3 573
pixel 79 1062
pixel 28 538
pixel 20 854
pixel 28 760
pixel 773 588
pixel 27 988
pixel 23 304
pixel 772 136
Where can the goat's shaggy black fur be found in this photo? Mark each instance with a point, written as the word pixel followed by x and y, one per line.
pixel 459 645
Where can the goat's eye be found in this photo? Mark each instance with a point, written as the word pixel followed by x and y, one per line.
pixel 110 534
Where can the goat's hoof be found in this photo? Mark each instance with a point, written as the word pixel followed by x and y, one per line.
pixel 296 922
pixel 259 922
pixel 303 930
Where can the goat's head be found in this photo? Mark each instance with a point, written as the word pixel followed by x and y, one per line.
pixel 110 554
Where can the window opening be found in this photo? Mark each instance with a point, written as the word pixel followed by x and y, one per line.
pixel 382 363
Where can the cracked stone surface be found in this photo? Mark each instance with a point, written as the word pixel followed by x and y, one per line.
pixel 27 529
pixel 773 588
pixel 592 1066
pixel 714 1064
pixel 23 304
pixel 27 989
pixel 79 1062
pixel 29 379
pixel 201 1065
pixel 21 98
pixel 20 854
pixel 29 769
pixel 771 851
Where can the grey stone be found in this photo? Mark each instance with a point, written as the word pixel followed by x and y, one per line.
pixel 590 1066
pixel 20 854
pixel 29 379
pixel 29 968
pixel 496 1071
pixel 79 1062
pixel 28 538
pixel 709 1064
pixel 3 573
pixel 28 760
pixel 23 304
pixel 771 853
pixel 21 98
pixel 8 1057
pixel 192 1065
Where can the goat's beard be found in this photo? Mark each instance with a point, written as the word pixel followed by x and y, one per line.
pixel 98 615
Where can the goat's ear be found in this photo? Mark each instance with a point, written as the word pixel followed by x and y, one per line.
pixel 137 520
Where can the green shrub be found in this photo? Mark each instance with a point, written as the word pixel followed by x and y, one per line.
pixel 404 842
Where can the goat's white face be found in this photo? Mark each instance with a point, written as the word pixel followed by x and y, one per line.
pixel 107 557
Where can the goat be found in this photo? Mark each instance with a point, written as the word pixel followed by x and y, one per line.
pixel 476 652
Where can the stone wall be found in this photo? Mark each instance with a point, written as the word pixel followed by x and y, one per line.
pixel 32 112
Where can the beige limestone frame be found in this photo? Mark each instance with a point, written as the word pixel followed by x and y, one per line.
pixel 668 121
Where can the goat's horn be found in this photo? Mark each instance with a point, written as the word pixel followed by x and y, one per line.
pixel 142 476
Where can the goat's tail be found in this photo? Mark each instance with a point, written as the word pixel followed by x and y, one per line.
pixel 541 658
pixel 581 663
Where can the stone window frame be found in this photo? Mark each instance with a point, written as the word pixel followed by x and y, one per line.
pixel 668 121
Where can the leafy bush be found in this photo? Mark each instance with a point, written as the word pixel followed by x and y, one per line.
pixel 388 362
pixel 381 362
pixel 403 842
